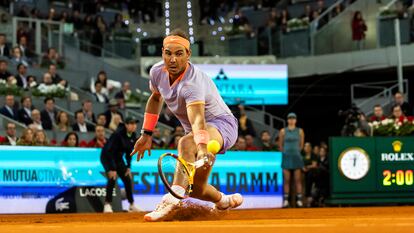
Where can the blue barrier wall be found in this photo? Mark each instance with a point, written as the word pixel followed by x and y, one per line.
pixel 30 176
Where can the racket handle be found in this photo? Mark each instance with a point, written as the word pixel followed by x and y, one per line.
pixel 199 163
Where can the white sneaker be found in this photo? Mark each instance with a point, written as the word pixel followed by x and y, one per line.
pixel 133 208
pixel 107 208
pixel 299 204
pixel 163 209
pixel 233 201
pixel 286 204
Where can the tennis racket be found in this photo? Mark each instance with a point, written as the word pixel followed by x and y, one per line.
pixel 173 169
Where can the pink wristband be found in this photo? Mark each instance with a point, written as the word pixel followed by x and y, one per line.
pixel 201 137
pixel 150 121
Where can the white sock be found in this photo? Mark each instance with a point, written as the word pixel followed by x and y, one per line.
pixel 170 198
pixel 224 201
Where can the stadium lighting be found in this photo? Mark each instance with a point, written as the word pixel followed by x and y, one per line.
pixel 167 17
pixel 138 29
pixel 190 21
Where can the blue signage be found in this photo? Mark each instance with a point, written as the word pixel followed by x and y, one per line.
pixel 44 172
pixel 250 84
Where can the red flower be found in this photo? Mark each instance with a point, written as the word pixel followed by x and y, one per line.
pixel 410 118
pixel 2 140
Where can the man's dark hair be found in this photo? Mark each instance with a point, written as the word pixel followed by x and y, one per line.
pixel 47 99
pixel 86 101
pixel 19 65
pixel 51 64
pixel 396 106
pixel 2 34
pixel 264 131
pixel 3 61
pixel 24 98
pixel 77 112
pixel 378 106
pixel 179 32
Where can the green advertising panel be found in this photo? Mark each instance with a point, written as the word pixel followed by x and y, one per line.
pixel 372 170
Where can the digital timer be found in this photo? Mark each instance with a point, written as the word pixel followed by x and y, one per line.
pixel 400 177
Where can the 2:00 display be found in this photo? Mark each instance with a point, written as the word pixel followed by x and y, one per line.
pixel 400 177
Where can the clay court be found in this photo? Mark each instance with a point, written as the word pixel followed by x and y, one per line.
pixel 364 219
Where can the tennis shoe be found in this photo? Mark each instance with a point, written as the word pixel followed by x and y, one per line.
pixel 163 209
pixel 231 201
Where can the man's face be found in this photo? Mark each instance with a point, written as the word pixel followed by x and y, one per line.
pixel 17 53
pixel 50 105
pixel 11 130
pixel 87 106
pixel 52 53
pixel 27 103
pixel 397 112
pixel 10 101
pixel 399 98
pixel 378 112
pixel 265 137
pixel 52 69
pixel 22 70
pixel 307 148
pixel 3 66
pixel 47 78
pixel 127 86
pixel 100 132
pixel 249 140
pixel 23 41
pixel 80 118
pixel 241 144
pixel 175 58
pixel 101 120
pixel 36 115
pixel 131 127
pixel 98 87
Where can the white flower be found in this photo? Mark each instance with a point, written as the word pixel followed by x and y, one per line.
pixel 396 127
pixel 375 123
pixel 2 81
pixel 390 121
pixel 399 123
pixel 384 122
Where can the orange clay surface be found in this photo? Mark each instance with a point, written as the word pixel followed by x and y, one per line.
pixel 361 219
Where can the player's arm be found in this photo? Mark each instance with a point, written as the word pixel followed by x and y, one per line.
pixel 195 112
pixel 152 111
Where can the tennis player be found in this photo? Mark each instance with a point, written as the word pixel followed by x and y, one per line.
pixel 194 99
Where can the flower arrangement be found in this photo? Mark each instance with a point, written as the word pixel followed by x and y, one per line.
pixel 297 24
pixel 386 12
pixel 54 90
pixel 6 88
pixel 403 126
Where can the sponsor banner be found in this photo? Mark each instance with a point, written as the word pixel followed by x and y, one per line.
pixel 32 174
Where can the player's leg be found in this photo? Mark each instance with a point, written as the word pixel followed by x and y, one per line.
pixel 299 187
pixel 207 192
pixel 110 184
pixel 286 187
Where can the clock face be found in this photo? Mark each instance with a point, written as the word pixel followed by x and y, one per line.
pixel 354 163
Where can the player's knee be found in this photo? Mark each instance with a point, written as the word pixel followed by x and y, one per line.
pixel 187 144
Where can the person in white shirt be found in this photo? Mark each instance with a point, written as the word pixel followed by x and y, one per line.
pixel 37 122
pixel 100 96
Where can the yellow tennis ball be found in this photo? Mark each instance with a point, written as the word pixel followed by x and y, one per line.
pixel 213 146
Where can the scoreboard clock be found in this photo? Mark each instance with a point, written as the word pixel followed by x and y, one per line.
pixel 371 170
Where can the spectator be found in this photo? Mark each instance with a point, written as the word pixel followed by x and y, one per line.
pixel 99 35
pixel 307 14
pixel 71 140
pixel 285 17
pixel 40 138
pixel 100 96
pixel 241 24
pixel 315 150
pixel 168 118
pixel 125 92
pixel 4 48
pixel 23 46
pixel 266 141
pixel 11 138
pixel 27 138
pixel 400 100
pixel 157 140
pixel 179 130
pixel 99 140
pixel 56 79
pixel 21 76
pixel 62 121
pixel 358 30
pixel 240 144
pixel 101 120
pixel 81 125
pixel 9 109
pixel 338 9
pixel 310 161
pixel 48 114
pixel 31 81
pixel 118 24
pixel 320 7
pixel 322 180
pixel 274 19
pixel 291 144
pixel 397 113
pixel 250 143
pixel 17 58
pixel 245 125
pixel 87 111
pixel 115 121
pixel 36 120
pixel 4 73
pixel 113 110
pixel 25 113
pixel 107 84
pixel 378 114
pixel 52 57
